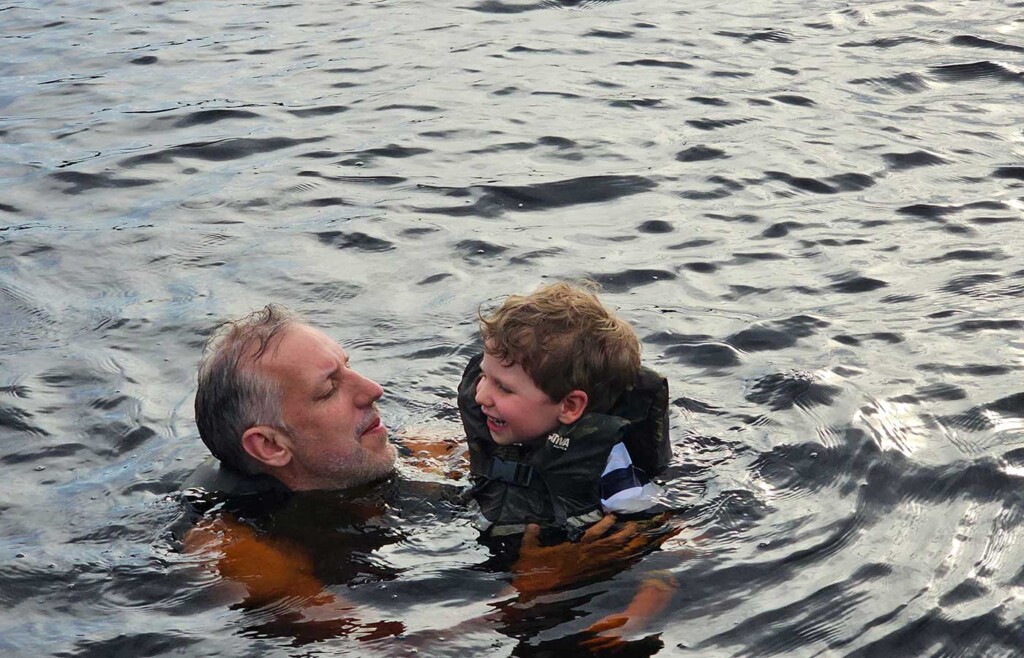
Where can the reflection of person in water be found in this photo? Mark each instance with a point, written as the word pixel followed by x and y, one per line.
pixel 282 412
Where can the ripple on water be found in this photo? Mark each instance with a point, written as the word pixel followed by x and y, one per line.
pixel 989 416
pixel 847 182
pixel 971 41
pixel 331 293
pixel 319 111
pixel 774 36
pixel 18 420
pixel 80 181
pixel 939 392
pixel 536 254
pixel 499 7
pixel 781 391
pixel 853 283
pixel 700 153
pixel 715 124
pixel 1012 173
pixel 903 83
pixel 705 354
pixel 776 335
pixel 495 200
pixel 391 151
pixel 886 337
pixel 221 150
pixel 976 71
pixel 25 323
pixel 914 159
pixel 354 240
pixel 657 63
pixel 655 226
pixel 476 251
pixel 206 117
pixel 822 616
pixel 781 229
pixel 626 280
pixel 133 644
pixel 793 99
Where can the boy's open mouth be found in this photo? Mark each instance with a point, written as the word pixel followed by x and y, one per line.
pixel 491 420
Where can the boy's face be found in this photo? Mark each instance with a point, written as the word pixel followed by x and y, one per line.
pixel 517 410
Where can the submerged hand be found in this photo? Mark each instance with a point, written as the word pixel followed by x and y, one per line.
pixel 653 596
pixel 542 568
pixel 441 455
pixel 608 633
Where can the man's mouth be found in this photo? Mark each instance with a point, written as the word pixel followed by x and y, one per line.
pixel 371 425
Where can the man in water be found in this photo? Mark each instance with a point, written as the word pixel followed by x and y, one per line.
pixel 280 407
pixel 278 398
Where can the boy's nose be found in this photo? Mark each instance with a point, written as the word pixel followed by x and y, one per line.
pixel 482 398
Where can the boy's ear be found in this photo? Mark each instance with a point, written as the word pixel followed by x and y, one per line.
pixel 572 407
pixel 267 446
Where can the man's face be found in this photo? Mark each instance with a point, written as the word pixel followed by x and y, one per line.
pixel 335 434
pixel 517 410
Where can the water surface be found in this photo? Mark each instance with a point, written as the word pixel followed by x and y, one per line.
pixel 811 214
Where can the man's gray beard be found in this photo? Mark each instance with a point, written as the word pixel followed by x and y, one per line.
pixel 361 467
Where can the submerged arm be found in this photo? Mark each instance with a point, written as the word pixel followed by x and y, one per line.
pixel 275 571
pixel 544 568
pixel 269 570
pixel 650 600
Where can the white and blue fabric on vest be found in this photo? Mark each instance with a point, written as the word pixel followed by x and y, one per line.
pixel 625 488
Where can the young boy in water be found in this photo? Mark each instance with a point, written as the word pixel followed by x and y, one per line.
pixel 563 423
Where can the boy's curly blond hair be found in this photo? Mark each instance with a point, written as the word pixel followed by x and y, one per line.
pixel 565 339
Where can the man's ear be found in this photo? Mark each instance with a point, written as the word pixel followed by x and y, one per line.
pixel 572 407
pixel 266 445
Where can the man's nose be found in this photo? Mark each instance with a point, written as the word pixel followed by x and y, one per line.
pixel 367 391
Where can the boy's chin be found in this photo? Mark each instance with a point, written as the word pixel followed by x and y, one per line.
pixel 508 439
pixel 504 439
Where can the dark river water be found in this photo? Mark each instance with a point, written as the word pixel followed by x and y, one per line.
pixel 811 212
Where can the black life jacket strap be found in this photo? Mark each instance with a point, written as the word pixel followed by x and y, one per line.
pixel 559 508
pixel 512 472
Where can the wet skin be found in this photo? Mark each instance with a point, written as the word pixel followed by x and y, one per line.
pixel 333 436
pixel 517 410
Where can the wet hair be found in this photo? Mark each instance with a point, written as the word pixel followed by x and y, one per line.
pixel 565 339
pixel 232 394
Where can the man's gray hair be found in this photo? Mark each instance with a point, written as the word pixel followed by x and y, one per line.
pixel 232 395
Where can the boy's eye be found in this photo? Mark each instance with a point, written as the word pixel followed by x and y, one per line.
pixel 501 388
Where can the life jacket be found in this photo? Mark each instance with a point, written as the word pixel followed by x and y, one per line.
pixel 556 481
pixel 345 532
pixel 212 477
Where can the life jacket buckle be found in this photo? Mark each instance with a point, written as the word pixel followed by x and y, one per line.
pixel 510 471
